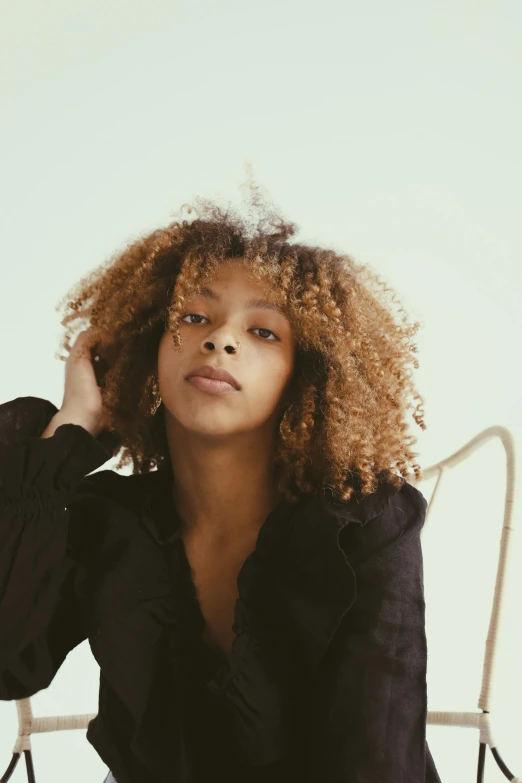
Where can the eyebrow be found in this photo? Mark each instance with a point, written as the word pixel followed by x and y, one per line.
pixel 252 304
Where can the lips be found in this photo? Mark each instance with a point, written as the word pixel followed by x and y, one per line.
pixel 211 385
pixel 214 373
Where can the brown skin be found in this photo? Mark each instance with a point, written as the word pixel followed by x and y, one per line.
pixel 222 446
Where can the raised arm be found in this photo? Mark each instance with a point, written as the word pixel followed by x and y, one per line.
pixel 41 618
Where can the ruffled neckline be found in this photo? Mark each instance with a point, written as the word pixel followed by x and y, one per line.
pixel 296 581
pixel 159 515
pixel 160 518
pixel 294 589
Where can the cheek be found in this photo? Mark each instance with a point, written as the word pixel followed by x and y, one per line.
pixel 271 383
pixel 169 362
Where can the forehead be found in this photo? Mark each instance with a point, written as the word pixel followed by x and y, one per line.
pixel 261 300
pixel 253 303
pixel 233 268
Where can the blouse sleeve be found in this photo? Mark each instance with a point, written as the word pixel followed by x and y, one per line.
pixel 367 707
pixel 41 619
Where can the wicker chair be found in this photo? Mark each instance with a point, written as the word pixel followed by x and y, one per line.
pixel 482 720
pixel 28 724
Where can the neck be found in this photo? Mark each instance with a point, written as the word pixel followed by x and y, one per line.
pixel 223 492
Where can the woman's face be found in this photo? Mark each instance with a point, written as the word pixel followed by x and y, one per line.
pixel 262 365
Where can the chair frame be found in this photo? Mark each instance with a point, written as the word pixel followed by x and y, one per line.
pixel 28 724
pixel 482 720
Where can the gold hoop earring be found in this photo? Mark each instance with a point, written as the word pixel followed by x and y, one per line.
pixel 156 396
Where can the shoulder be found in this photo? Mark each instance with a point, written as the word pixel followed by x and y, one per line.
pixel 374 522
pixel 109 485
pixel 106 510
pixel 405 497
pixel 106 536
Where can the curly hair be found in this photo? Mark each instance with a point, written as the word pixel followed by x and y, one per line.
pixel 345 428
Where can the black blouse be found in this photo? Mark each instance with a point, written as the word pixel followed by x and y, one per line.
pixel 326 679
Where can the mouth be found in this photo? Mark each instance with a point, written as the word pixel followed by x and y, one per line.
pixel 210 384
pixel 212 373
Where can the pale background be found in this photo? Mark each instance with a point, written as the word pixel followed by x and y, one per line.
pixel 390 131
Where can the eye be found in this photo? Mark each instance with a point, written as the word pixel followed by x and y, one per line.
pixel 191 315
pixel 257 329
pixel 260 329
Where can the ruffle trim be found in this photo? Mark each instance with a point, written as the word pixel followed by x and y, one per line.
pixel 294 589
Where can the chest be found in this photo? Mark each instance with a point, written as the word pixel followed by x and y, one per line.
pixel 214 575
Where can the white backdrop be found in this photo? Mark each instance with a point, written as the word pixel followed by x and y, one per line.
pixel 390 131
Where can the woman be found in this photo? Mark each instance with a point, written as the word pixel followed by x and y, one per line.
pixel 253 589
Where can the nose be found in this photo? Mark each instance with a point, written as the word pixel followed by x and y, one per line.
pixel 230 346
